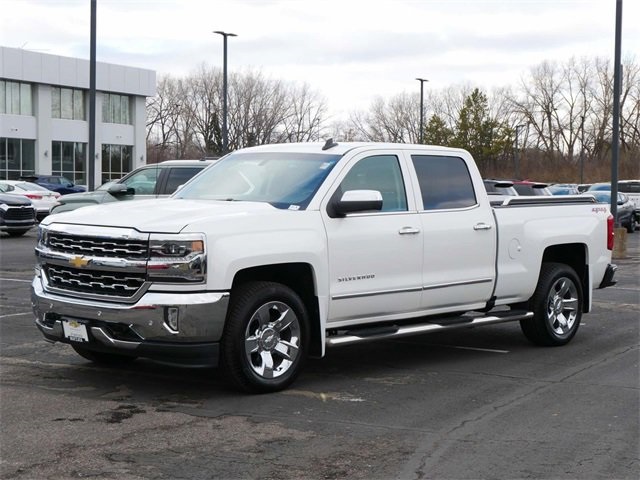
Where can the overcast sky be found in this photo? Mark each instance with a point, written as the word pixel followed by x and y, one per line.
pixel 349 50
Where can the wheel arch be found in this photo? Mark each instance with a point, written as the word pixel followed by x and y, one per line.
pixel 301 279
pixel 574 255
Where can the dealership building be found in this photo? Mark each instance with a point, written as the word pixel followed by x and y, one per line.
pixel 44 116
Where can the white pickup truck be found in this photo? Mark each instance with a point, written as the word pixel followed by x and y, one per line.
pixel 277 252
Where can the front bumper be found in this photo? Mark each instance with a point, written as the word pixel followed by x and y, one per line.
pixel 141 329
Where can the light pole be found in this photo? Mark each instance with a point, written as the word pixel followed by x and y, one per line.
pixel 582 151
pixel 517 160
pixel 422 80
pixel 225 133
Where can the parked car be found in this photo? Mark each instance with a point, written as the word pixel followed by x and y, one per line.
pixel 56 183
pixel 17 214
pixel 41 198
pixel 583 187
pixel 529 188
pixel 498 189
pixel 150 181
pixel 625 211
pixel 564 189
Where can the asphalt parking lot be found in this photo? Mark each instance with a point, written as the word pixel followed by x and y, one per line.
pixel 470 404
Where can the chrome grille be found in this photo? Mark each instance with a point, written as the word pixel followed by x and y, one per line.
pixel 116 284
pixel 98 246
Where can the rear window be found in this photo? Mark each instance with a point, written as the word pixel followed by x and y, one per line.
pixel 445 182
pixel 629 187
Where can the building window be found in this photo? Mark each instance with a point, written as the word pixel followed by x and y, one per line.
pixel 17 158
pixel 69 159
pixel 15 98
pixel 116 161
pixel 67 103
pixel 115 108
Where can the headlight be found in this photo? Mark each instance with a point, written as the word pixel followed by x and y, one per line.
pixel 177 258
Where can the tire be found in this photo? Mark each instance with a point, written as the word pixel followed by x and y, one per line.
pixel 631 227
pixel 557 306
pixel 265 341
pixel 102 358
pixel 17 233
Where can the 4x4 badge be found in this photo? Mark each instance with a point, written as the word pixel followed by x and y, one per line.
pixel 79 262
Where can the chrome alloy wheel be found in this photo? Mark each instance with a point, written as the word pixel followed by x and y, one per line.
pixel 272 340
pixel 562 306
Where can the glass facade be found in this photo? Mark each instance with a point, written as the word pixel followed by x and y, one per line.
pixel 115 108
pixel 70 160
pixel 67 103
pixel 17 157
pixel 15 98
pixel 116 161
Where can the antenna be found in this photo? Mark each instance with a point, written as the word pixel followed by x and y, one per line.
pixel 329 144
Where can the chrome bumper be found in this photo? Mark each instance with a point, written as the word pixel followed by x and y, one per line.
pixel 139 329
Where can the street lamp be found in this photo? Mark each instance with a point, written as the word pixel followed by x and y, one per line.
pixel 225 133
pixel 422 80
pixel 516 159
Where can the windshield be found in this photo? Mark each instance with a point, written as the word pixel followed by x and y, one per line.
pixel 284 180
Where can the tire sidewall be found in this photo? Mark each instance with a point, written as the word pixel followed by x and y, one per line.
pixel 248 299
pixel 558 272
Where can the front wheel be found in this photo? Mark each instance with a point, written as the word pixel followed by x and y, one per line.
pixel 631 227
pixel 266 337
pixel 557 306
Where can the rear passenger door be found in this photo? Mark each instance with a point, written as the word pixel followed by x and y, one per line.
pixel 175 177
pixel 459 234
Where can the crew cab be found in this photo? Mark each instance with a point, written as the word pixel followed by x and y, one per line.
pixel 278 252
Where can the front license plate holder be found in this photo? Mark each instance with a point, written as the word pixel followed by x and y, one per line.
pixel 75 331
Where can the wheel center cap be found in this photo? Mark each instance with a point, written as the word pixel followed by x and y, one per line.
pixel 269 339
pixel 558 305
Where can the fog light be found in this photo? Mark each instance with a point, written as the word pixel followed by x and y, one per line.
pixel 171 318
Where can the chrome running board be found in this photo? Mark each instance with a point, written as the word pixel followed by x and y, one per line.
pixel 373 332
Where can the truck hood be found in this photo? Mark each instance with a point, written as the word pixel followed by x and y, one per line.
pixel 169 215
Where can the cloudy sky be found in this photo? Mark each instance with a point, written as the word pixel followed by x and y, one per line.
pixel 349 50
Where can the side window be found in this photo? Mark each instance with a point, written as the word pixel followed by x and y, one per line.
pixel 445 182
pixel 179 176
pixel 382 173
pixel 144 181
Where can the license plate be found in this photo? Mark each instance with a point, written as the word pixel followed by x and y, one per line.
pixel 75 331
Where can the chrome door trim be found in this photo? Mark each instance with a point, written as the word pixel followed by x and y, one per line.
pixel 375 293
pixel 457 284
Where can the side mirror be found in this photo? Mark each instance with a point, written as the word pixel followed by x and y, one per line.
pixel 620 202
pixel 354 201
pixel 120 189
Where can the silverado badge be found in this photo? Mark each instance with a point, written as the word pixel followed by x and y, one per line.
pixel 79 261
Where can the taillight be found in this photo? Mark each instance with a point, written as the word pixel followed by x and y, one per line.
pixel 33 196
pixel 610 234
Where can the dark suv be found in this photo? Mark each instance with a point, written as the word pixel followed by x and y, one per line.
pixel 17 214
pixel 150 181
pixel 56 183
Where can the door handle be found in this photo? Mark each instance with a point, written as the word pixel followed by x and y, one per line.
pixel 481 226
pixel 408 231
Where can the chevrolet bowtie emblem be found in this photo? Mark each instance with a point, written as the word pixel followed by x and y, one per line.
pixel 79 262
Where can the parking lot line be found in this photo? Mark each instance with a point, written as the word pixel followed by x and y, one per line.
pixel 14 280
pixel 15 315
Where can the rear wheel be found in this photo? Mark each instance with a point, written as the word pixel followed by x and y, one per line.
pixel 631 226
pixel 103 358
pixel 557 306
pixel 266 337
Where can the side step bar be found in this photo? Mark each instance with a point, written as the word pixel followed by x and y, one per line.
pixel 392 331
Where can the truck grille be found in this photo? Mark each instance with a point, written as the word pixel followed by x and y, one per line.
pixel 115 284
pixel 98 246
pixel 20 213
